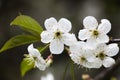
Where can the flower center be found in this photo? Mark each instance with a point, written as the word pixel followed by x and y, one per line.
pixel 57 34
pixel 101 55
pixel 35 58
pixel 82 59
pixel 95 33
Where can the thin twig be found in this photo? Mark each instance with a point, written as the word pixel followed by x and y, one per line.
pixel 114 41
pixel 106 74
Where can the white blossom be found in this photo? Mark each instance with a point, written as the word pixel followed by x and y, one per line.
pixel 57 34
pixel 49 76
pixel 84 56
pixel 94 33
pixel 37 58
pixel 104 53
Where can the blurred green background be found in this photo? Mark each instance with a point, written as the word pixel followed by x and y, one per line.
pixel 74 10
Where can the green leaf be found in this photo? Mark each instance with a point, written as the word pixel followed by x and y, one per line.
pixel 18 40
pixel 28 24
pixel 42 48
pixel 26 65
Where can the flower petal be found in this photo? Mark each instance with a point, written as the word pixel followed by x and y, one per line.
pixel 108 62
pixel 56 46
pixel 75 58
pixel 90 23
pixel 49 76
pixel 100 48
pixel 84 34
pixel 47 36
pixel 68 39
pixel 91 43
pixel 40 63
pixel 49 23
pixel 105 26
pixel 112 49
pixel 77 47
pixel 97 63
pixel 90 57
pixel 32 51
pixel 64 25
pixel 102 38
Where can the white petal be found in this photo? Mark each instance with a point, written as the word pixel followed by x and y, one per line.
pixel 64 25
pixel 77 46
pixel 87 64
pixel 33 52
pixel 68 39
pixel 91 43
pixel 90 57
pixel 56 46
pixel 88 54
pixel 100 48
pixel 40 64
pixel 49 23
pixel 47 36
pixel 90 23
pixel 112 49
pixel 105 26
pixel 50 76
pixel 97 63
pixel 75 58
pixel 102 38
pixel 41 67
pixel 84 34
pixel 74 47
pixel 108 62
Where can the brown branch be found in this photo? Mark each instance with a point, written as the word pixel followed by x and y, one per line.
pixel 114 41
pixel 106 74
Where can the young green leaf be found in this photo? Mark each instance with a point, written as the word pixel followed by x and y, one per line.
pixel 17 41
pixel 42 48
pixel 28 24
pixel 26 65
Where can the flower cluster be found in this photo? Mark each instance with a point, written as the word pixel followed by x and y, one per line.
pixel 91 50
pixel 35 56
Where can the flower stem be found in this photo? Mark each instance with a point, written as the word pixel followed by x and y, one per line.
pixel 72 70
pixel 64 74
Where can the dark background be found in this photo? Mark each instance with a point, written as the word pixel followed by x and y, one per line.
pixel 74 10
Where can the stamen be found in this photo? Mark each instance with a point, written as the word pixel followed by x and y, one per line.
pixel 101 55
pixel 95 33
pixel 57 34
pixel 82 59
